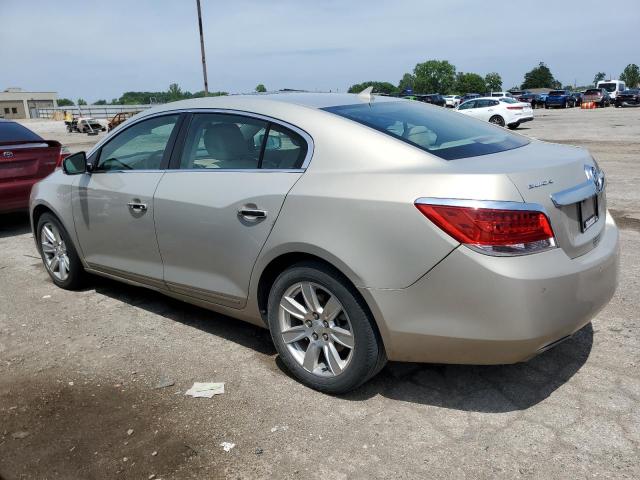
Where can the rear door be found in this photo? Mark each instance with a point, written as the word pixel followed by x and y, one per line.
pixel 113 205
pixel 484 109
pixel 216 208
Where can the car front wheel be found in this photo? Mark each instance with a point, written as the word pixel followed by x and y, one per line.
pixel 497 120
pixel 322 329
pixel 58 253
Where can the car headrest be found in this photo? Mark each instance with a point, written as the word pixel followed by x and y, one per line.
pixel 224 141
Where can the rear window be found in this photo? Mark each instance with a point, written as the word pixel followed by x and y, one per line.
pixel 555 93
pixel 593 91
pixel 445 134
pixel 14 132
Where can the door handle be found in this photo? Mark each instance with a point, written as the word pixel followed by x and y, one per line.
pixel 137 207
pixel 252 213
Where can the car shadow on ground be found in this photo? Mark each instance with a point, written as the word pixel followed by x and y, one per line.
pixel 12 224
pixel 494 389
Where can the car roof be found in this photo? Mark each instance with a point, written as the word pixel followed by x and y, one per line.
pixel 250 101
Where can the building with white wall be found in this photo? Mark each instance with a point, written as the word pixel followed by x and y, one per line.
pixel 17 103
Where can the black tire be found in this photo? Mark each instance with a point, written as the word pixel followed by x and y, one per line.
pixel 368 356
pixel 497 120
pixel 513 126
pixel 76 276
pixel 546 107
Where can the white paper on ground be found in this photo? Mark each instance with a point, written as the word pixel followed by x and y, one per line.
pixel 205 389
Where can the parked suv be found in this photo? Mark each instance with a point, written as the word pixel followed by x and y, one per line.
pixel 628 98
pixel 599 96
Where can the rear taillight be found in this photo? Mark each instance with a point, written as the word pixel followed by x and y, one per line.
pixel 495 228
pixel 64 153
pixel 515 108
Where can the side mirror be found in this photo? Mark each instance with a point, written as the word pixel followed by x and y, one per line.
pixel 75 164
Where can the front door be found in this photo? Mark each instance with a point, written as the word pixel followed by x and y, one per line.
pixel 113 205
pixel 215 210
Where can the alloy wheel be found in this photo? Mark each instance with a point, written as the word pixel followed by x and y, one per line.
pixel 54 251
pixel 316 329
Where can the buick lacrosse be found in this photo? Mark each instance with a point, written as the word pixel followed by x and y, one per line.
pixel 355 228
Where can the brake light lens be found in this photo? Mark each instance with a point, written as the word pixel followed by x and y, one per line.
pixel 515 108
pixel 495 231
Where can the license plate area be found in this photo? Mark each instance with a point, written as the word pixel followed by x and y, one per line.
pixel 588 213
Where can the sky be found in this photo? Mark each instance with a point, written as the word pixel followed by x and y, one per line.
pixel 99 49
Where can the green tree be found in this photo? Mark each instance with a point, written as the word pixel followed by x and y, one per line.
pixel 378 87
pixel 470 83
pixel 434 76
pixel 599 77
pixel 100 102
pixel 493 81
pixel 540 77
pixel 406 82
pixel 175 92
pixel 82 101
pixel 261 88
pixel 631 75
pixel 65 102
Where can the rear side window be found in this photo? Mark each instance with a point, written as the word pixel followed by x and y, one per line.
pixel 233 142
pixel 446 134
pixel 14 132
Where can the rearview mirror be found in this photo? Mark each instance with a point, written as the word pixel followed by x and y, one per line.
pixel 75 164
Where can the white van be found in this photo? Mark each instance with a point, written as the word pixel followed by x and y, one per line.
pixel 612 86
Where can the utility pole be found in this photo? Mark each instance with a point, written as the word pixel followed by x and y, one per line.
pixel 204 62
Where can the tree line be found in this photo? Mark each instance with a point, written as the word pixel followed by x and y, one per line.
pixel 440 76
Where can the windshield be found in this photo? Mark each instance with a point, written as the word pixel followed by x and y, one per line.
pixel 609 87
pixel 448 135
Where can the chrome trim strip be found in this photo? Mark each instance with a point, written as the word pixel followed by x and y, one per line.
pixel 206 295
pixel 491 204
pixel 133 277
pixel 18 146
pixel 129 123
pixel 574 194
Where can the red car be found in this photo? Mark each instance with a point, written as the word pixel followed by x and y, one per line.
pixel 25 158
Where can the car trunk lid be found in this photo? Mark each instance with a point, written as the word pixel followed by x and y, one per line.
pixel 28 160
pixel 561 180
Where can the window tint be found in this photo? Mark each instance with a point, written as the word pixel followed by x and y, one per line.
pixel 483 103
pixel 445 134
pixel 139 147
pixel 220 141
pixel 493 103
pixel 14 132
pixel 466 105
pixel 284 149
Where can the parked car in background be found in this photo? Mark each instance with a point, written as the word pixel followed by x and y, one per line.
pixel 630 97
pixel 25 158
pixel 599 96
pixel 504 111
pixel 89 125
pixel 452 100
pixel 578 98
pixel 499 94
pixel 464 241
pixel 613 87
pixel 469 96
pixel 118 118
pixel 560 99
pixel 433 98
pixel 532 99
pixel 517 93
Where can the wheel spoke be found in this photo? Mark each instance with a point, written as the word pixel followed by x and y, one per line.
pixel 310 297
pixel 294 334
pixel 293 307
pixel 331 309
pixel 48 233
pixel 342 336
pixel 333 359
pixel 55 263
pixel 310 361
pixel 48 248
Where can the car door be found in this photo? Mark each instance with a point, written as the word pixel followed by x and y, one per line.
pixel 484 109
pixel 217 205
pixel 468 107
pixel 113 204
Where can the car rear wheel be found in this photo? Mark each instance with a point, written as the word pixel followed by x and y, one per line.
pixel 322 330
pixel 58 253
pixel 497 120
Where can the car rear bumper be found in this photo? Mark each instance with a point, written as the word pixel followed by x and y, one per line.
pixel 478 309
pixel 14 195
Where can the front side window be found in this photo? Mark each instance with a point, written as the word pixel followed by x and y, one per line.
pixel 483 103
pixel 442 133
pixel 467 105
pixel 139 147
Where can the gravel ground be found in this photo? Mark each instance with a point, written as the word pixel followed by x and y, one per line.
pixel 84 375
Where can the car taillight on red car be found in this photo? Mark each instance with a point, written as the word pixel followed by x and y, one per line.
pixel 495 228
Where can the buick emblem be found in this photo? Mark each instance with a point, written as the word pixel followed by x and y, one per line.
pixel 596 176
pixel 7 154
